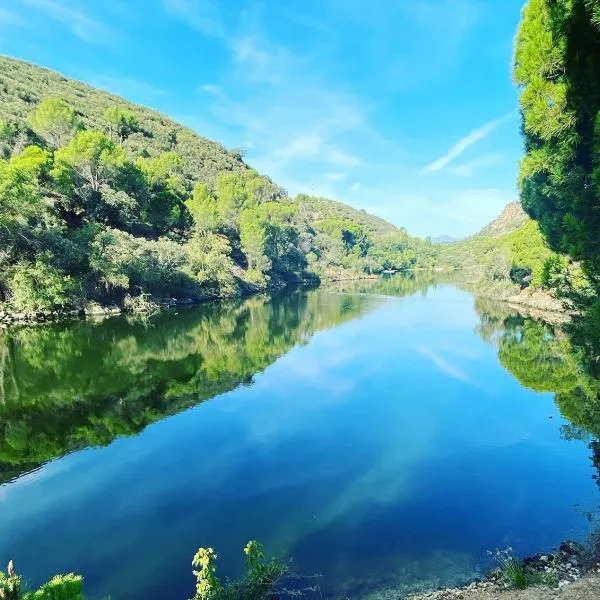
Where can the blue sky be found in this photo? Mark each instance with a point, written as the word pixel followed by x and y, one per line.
pixel 405 108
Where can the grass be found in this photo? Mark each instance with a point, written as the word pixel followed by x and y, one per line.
pixel 516 574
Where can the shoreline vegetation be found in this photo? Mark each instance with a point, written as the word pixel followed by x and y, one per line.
pixel 570 572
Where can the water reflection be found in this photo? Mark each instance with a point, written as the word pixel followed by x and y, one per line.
pixel 544 358
pixel 392 451
pixel 77 384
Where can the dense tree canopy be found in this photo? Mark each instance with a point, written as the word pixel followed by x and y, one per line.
pixel 557 66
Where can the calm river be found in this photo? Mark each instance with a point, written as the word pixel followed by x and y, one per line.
pixel 384 434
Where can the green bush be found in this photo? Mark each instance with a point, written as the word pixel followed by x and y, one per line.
pixel 40 286
pixel 517 574
pixel 261 576
pixel 60 587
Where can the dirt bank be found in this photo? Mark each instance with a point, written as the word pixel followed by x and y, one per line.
pixel 586 588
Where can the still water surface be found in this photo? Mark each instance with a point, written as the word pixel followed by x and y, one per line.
pixel 376 435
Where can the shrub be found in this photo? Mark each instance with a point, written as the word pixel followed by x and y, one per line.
pixel 60 587
pixel 10 584
pixel 40 286
pixel 258 584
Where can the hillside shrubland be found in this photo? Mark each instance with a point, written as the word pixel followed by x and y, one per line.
pixel 512 253
pixel 102 200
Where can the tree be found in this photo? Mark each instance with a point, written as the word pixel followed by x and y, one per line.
pixel 20 189
pixel 90 160
pixel 41 285
pixel 121 122
pixel 203 208
pixel 253 235
pixel 232 196
pixel 557 66
pixel 165 207
pixel 55 121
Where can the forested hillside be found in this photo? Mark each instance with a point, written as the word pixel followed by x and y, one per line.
pixel 102 200
pixel 510 252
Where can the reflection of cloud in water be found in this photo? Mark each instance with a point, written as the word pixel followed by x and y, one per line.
pixel 444 366
pixel 389 479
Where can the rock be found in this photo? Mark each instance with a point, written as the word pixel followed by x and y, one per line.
pixel 571 548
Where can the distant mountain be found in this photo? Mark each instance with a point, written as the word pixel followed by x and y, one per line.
pixel 444 239
pixel 509 250
pixel 509 220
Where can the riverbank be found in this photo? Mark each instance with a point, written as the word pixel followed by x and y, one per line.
pixel 534 300
pixel 148 304
pixel 586 588
pixel 137 305
pixel 570 573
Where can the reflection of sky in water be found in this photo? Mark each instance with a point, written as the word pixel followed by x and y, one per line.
pixel 391 445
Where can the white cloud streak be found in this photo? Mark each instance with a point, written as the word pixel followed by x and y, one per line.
pixel 79 23
pixel 9 18
pixel 465 143
pixel 443 365
pixel 201 15
pixel 486 161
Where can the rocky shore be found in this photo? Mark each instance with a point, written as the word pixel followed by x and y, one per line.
pixel 569 574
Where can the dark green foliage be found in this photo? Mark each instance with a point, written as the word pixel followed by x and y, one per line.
pixel 339 239
pixel 557 66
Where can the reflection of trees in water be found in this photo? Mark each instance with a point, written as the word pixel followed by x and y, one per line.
pixel 398 285
pixel 70 385
pixel 548 358
pixel 544 358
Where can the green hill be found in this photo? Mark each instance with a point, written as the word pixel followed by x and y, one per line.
pixel 104 200
pixel 23 86
pixel 508 253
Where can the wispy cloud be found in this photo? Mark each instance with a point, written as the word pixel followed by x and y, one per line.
pixel 210 88
pixel 465 143
pixel 486 161
pixel 202 15
pixel 258 62
pixel 9 18
pixel 335 176
pixel 76 20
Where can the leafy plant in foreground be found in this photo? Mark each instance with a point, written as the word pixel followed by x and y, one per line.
pixel 261 576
